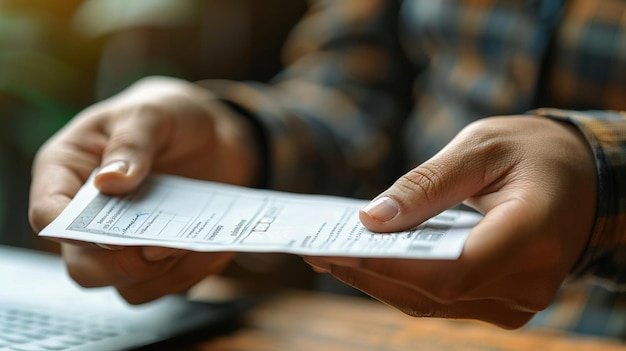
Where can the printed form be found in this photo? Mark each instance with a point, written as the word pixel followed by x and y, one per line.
pixel 184 213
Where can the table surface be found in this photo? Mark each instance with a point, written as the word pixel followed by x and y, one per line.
pixel 305 320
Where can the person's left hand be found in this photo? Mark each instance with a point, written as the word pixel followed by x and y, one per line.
pixel 159 124
pixel 534 181
pixel 137 278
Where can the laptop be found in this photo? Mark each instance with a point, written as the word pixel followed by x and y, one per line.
pixel 41 308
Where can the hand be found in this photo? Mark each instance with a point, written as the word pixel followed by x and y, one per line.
pixel 141 274
pixel 532 178
pixel 157 125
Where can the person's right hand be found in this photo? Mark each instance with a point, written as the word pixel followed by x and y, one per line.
pixel 160 125
pixel 533 179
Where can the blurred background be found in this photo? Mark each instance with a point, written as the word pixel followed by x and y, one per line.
pixel 57 57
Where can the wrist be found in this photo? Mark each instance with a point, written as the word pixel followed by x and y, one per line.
pixel 247 143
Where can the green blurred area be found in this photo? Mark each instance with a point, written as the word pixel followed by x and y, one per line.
pixel 57 57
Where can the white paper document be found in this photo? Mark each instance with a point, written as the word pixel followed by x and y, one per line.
pixel 198 215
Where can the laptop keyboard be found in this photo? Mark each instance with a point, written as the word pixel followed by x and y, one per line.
pixel 28 329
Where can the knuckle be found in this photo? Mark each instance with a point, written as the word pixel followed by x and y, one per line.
pixel 122 142
pixel 136 113
pixel 131 127
pixel 489 146
pixel 425 179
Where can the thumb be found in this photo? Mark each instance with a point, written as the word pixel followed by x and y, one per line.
pixel 442 182
pixel 129 152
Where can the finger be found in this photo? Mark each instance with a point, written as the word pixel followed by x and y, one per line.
pixel 530 291
pixel 181 276
pixel 84 243
pixel 413 303
pixel 134 137
pixel 60 168
pixel 318 269
pixel 463 168
pixel 157 253
pixel 91 266
pixel 496 247
pixel 324 264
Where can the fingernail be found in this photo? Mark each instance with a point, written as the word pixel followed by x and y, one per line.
pixel 120 167
pixel 155 253
pixel 382 209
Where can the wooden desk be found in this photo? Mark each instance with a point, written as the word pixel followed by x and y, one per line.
pixel 307 321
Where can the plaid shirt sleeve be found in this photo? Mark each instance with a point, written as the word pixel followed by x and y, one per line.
pixel 331 119
pixel 605 256
pixel 334 119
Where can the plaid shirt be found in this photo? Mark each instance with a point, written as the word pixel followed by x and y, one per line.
pixel 374 87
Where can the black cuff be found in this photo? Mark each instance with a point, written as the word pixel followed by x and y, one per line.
pixel 261 138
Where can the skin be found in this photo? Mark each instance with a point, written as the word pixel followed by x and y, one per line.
pixel 158 124
pixel 532 178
